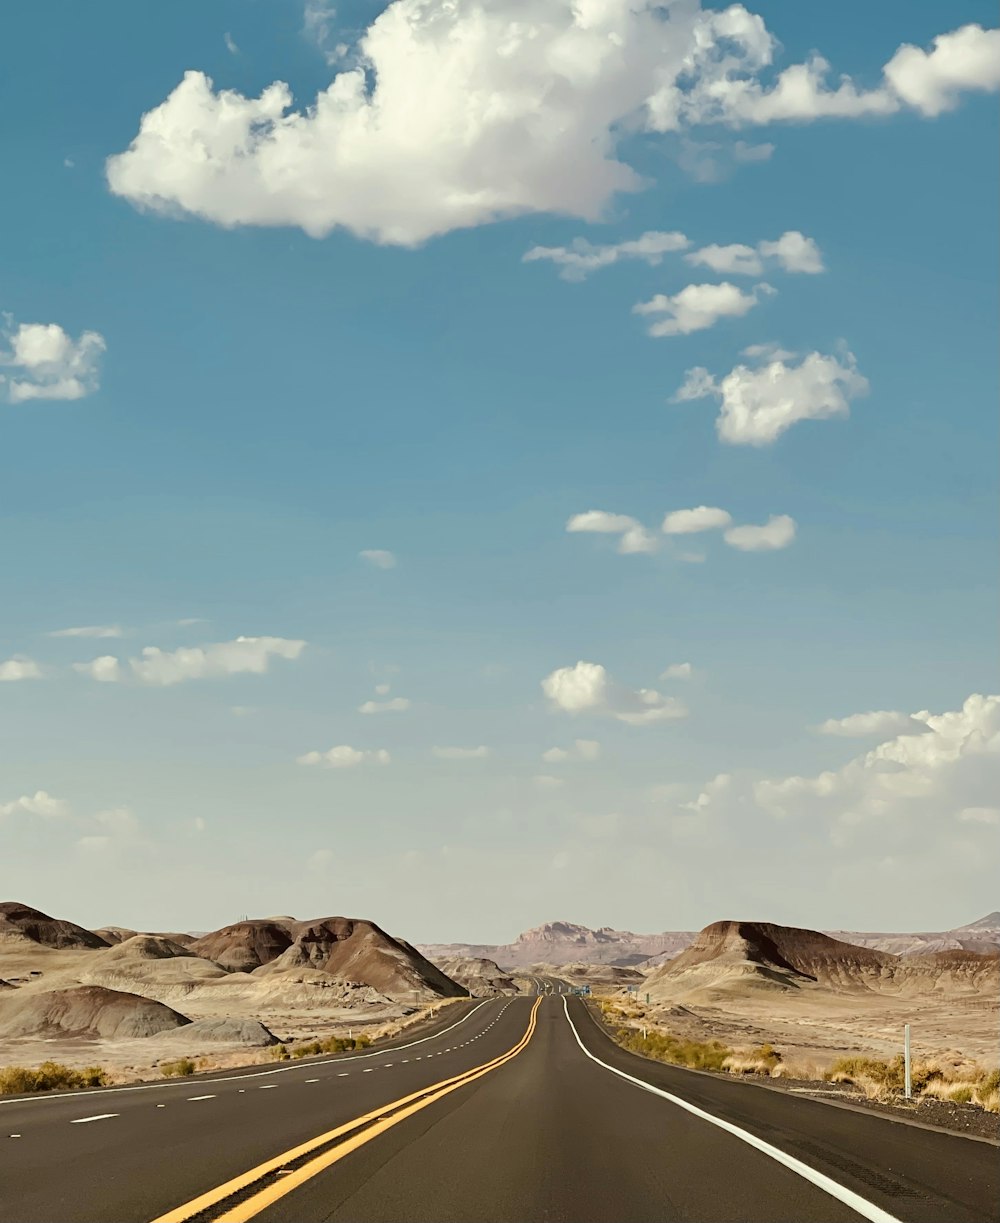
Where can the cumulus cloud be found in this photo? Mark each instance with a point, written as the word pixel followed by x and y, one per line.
pixel 89 630
pixel 461 753
pixel 444 116
pixel 878 722
pixel 700 518
pixel 106 669
pixel 395 704
pixel 345 757
pixel 580 258
pixel 379 558
pixel 41 803
pixel 634 538
pixel 758 404
pixel 678 670
pixel 43 362
pixel 17 668
pixel 582 749
pixel 244 654
pixel 697 307
pixel 951 767
pixel 588 688
pixel 777 532
pixel 792 252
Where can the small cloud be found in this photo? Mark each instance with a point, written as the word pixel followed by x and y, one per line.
pixel 698 307
pixel 678 670
pixel 382 689
pixel 546 782
pixel 319 861
pixel 17 668
pixel 883 723
pixel 345 757
pixel 634 538
pixel 582 749
pixel 980 815
pixel 378 558
pixel 587 687
pixel 700 518
pixel 89 630
pixel 46 363
pixel 230 42
pixel 777 532
pixel 580 258
pixel 243 655
pixel 792 252
pixel 106 669
pixel 461 753
pixel 397 704
pixel 41 803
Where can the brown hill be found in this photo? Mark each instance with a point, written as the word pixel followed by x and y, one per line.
pixel 21 923
pixel 84 1010
pixel 348 948
pixel 731 957
pixel 245 945
pixel 748 956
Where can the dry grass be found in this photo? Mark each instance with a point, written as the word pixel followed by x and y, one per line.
pixel 180 1068
pixel 49 1076
pixel 764 1060
pixel 885 1081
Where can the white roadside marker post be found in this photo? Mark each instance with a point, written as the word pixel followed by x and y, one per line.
pixel 906 1062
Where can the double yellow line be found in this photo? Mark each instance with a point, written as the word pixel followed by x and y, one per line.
pixel 242 1197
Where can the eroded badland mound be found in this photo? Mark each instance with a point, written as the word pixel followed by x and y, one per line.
pixel 84 1010
pixel 20 923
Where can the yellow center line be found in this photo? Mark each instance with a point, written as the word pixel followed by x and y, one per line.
pixel 377 1123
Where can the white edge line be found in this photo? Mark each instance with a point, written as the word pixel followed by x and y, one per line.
pixel 867 1210
pixel 99 1117
pixel 235 1078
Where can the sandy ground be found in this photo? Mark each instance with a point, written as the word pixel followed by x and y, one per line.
pixel 814 1029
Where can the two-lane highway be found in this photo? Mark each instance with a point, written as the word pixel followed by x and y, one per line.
pixel 523 1110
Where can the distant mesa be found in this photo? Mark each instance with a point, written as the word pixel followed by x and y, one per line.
pixel 21 923
pixel 85 1010
pixel 563 942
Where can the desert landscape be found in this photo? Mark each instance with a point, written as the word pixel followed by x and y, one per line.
pixel 134 1002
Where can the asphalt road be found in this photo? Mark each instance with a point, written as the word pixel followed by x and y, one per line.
pixel 514 1115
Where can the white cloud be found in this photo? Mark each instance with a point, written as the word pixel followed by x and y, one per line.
pixel 89 630
pixel 106 669
pixel 698 307
pixel 344 757
pixel 678 670
pixel 18 668
pixel 461 753
pixel 244 654
pixel 758 405
pixel 700 518
pixel 965 59
pixel 545 781
pixel 396 704
pixel 777 532
pixel 792 252
pixel 582 749
pixel 383 689
pixel 230 42
pixel 587 687
pixel 980 815
pixel 634 537
pixel 581 257
pixel 879 722
pixel 40 803
pixel 45 363
pixel 445 116
pixel 379 558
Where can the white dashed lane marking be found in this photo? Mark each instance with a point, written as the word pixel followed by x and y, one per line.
pixel 191 1099
pixel 312 1080
pixel 267 1087
pixel 98 1117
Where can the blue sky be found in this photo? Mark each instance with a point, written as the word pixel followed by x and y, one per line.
pixel 269 404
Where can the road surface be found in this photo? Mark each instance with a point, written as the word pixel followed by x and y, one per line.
pixel 516 1110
